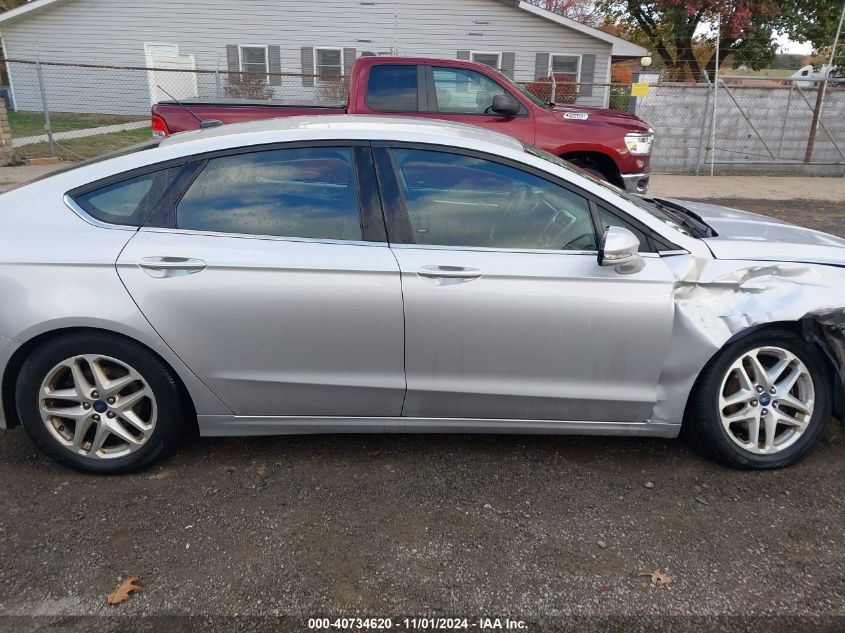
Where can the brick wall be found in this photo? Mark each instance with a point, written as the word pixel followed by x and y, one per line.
pixel 5 135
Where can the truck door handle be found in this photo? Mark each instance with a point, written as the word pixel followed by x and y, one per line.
pixel 171 266
pixel 449 272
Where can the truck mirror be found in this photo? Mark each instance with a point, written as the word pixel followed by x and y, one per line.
pixel 505 105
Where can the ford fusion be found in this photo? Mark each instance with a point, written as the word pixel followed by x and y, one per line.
pixel 366 274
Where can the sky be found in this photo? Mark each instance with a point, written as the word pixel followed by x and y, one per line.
pixel 797 48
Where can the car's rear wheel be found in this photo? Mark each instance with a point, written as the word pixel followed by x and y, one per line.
pixel 762 403
pixel 100 403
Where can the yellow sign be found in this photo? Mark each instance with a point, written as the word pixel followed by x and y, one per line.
pixel 639 90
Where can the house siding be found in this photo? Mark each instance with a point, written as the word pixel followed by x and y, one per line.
pixel 113 32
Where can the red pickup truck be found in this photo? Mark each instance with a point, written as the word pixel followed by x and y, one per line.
pixel 611 144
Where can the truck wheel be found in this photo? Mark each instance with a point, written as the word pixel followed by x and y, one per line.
pixel 590 169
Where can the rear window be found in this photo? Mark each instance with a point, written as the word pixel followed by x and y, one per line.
pixel 127 202
pixel 392 88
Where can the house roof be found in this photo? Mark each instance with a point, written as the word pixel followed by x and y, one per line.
pixel 621 47
pixel 27 9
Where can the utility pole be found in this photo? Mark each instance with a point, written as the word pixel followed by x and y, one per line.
pixel 715 95
pixel 817 111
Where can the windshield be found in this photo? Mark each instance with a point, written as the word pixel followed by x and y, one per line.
pixel 662 213
pixel 522 89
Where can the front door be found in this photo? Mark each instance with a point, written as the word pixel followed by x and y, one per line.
pixel 507 313
pixel 267 290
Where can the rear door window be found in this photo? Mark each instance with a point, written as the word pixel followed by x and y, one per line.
pixel 392 88
pixel 296 192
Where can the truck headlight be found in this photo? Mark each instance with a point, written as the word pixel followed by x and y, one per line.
pixel 639 143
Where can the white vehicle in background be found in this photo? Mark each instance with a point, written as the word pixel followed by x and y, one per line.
pixel 807 76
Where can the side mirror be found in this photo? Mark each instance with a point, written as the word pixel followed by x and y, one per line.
pixel 620 248
pixel 505 105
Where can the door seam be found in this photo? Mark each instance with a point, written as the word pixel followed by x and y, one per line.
pixel 158 334
pixel 404 331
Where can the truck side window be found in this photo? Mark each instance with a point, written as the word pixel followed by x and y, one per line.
pixel 392 88
pixel 463 91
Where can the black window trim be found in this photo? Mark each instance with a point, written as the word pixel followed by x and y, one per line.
pixel 596 209
pixel 396 213
pixel 370 213
pixel 70 197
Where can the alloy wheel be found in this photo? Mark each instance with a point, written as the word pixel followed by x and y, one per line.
pixel 766 400
pixel 97 406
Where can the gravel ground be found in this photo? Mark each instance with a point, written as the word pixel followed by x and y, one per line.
pixel 259 534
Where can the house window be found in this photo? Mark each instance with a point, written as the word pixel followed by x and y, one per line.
pixel 565 65
pixel 494 60
pixel 328 63
pixel 254 59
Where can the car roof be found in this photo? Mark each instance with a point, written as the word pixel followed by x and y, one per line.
pixel 338 126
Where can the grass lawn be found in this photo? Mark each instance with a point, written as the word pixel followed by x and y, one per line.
pixel 32 123
pixel 776 73
pixel 87 147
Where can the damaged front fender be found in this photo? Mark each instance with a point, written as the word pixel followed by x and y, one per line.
pixel 718 301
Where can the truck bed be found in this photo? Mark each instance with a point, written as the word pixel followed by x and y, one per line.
pixel 228 110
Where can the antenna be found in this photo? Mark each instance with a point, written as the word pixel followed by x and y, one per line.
pixel 204 123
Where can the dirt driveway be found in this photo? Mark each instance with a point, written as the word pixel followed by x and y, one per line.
pixel 260 534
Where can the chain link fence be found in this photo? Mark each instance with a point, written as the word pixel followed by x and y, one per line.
pixel 747 125
pixel 743 125
pixel 78 111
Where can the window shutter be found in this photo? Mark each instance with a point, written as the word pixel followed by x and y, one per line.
pixel 348 59
pixel 233 58
pixel 307 65
pixel 274 64
pixel 508 64
pixel 541 65
pixel 588 75
pixel 463 55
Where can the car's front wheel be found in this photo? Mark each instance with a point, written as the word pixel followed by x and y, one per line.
pixel 100 403
pixel 762 403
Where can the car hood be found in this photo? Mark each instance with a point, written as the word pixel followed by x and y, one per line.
pixel 607 116
pixel 750 236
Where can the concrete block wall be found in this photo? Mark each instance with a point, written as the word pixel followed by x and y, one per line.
pixel 758 129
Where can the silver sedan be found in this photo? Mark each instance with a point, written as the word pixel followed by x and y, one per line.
pixel 367 274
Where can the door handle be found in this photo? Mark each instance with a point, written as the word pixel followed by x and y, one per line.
pixel 449 272
pixel 171 266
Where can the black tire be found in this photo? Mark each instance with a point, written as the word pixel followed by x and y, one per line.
pixel 171 421
pixel 590 169
pixel 702 425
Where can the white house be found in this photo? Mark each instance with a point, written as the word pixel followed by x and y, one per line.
pixel 278 36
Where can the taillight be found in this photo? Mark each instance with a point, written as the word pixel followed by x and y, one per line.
pixel 159 127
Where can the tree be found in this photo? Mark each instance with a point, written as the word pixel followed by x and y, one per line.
pixel 7 5
pixel 584 11
pixel 677 30
pixel 814 21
